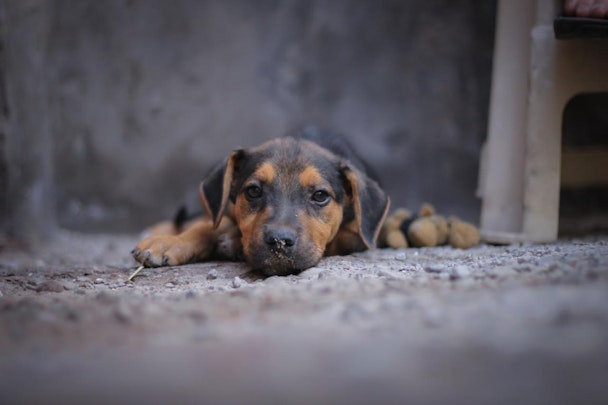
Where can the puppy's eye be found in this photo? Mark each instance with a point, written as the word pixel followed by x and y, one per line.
pixel 321 197
pixel 252 192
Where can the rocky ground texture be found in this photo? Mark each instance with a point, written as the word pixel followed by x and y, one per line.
pixel 493 324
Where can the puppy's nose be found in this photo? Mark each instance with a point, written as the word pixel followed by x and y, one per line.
pixel 280 237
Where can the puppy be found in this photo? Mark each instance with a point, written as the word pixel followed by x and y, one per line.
pixel 280 206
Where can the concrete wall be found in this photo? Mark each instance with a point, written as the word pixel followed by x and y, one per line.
pixel 3 135
pixel 116 109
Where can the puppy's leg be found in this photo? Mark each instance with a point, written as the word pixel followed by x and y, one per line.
pixel 177 225
pixel 346 241
pixel 161 228
pixel 194 244
pixel 229 245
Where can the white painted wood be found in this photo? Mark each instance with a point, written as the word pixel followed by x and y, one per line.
pixel 501 184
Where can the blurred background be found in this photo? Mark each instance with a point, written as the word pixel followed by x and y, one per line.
pixel 113 111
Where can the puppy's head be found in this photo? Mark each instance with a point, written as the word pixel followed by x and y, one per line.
pixel 289 198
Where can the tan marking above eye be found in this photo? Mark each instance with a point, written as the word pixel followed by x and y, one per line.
pixel 265 173
pixel 310 176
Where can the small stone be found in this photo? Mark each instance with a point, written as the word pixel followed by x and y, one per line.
pixel 170 285
pixel 99 281
pixel 522 269
pixel 212 275
pixel 435 268
pixel 459 272
pixel 33 283
pixel 50 286
pixel 237 282
pixel 387 274
pixel 69 286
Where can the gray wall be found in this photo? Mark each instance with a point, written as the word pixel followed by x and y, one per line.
pixel 116 109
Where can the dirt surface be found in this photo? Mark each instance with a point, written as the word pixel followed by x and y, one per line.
pixel 511 324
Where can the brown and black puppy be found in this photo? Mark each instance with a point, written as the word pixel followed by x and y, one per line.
pixel 280 206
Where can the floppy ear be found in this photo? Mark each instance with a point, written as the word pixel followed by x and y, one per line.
pixel 215 189
pixel 370 204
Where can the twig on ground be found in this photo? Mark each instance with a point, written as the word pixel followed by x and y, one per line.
pixel 136 272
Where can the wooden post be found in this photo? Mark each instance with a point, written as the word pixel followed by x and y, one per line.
pixel 503 165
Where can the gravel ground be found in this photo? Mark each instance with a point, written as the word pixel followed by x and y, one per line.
pixel 490 325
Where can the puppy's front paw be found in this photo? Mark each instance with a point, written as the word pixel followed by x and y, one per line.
pixel 166 250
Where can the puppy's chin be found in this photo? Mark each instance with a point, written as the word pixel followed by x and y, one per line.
pixel 274 262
